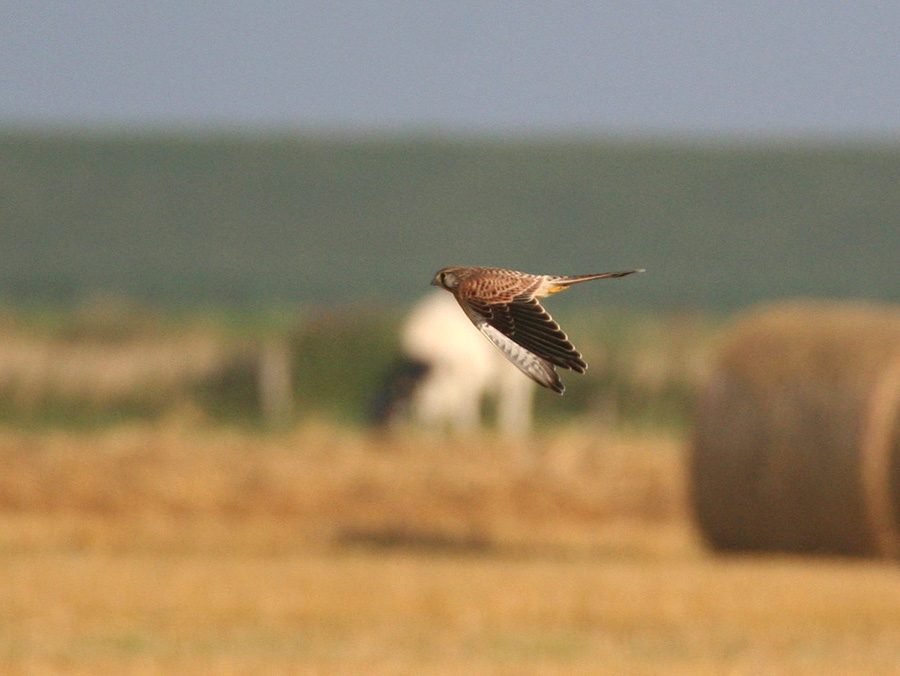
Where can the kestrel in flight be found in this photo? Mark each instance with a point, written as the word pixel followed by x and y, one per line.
pixel 504 305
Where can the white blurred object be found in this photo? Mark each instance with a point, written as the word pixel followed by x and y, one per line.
pixel 462 371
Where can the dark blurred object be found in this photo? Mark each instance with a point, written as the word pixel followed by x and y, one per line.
pixel 390 400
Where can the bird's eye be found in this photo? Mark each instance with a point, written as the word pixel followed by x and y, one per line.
pixel 443 279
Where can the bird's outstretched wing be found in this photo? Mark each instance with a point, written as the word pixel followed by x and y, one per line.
pixel 538 369
pixel 528 336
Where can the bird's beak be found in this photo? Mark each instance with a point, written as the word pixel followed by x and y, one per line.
pixel 434 281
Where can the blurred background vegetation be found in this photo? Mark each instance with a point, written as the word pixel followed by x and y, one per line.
pixel 180 261
pixel 314 220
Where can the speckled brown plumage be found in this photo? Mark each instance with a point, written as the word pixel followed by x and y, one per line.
pixel 504 305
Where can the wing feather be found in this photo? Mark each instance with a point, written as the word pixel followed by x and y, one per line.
pixel 535 367
pixel 527 323
pixel 538 369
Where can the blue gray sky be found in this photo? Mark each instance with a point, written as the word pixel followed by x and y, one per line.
pixel 667 67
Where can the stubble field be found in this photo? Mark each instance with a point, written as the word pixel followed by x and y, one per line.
pixel 174 548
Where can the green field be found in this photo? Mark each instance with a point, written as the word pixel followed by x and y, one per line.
pixel 257 219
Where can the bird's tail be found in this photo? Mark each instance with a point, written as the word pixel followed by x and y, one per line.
pixel 558 284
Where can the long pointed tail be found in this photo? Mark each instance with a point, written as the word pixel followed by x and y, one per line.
pixel 563 283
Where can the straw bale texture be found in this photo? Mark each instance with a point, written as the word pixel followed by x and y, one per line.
pixel 796 439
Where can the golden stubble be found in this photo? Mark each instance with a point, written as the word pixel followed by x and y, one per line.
pixel 171 549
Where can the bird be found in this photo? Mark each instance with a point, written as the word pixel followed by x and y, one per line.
pixel 504 306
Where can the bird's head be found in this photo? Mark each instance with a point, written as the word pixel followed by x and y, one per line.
pixel 448 278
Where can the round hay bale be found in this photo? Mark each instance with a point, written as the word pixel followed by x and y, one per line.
pixel 796 439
